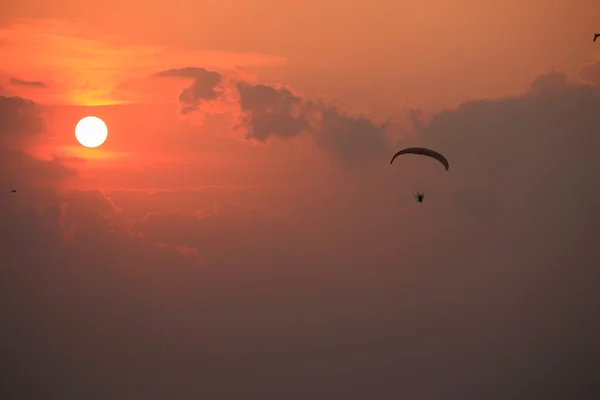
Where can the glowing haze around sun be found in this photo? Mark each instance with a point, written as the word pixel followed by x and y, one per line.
pixel 91 132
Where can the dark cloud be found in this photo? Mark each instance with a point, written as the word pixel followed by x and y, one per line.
pixel 33 84
pixel 351 140
pixel 271 111
pixel 553 82
pixel 92 200
pixel 534 150
pixel 20 117
pixel 51 280
pixel 206 86
pixel 187 72
pixel 26 170
pixel 22 121
pixel 591 73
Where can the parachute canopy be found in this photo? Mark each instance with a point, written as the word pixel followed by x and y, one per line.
pixel 423 152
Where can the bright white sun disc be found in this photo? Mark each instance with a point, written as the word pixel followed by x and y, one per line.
pixel 91 132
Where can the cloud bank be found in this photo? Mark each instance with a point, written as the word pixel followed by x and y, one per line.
pixel 590 73
pixel 487 290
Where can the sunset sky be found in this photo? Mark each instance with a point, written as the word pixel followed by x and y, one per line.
pixel 241 233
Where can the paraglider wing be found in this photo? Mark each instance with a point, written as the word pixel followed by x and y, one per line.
pixel 423 152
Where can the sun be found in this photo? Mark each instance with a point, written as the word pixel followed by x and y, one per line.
pixel 91 132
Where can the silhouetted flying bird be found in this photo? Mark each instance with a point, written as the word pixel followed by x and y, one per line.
pixel 596 36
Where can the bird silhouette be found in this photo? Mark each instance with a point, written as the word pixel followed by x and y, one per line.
pixel 13 191
pixel 596 36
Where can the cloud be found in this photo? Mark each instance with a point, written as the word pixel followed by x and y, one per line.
pixel 591 73
pixel 190 72
pixel 552 82
pixel 495 274
pixel 276 111
pixel 23 122
pixel 205 86
pixel 91 200
pixel 273 111
pixel 352 140
pixel 28 170
pixel 214 233
pixel 20 117
pixel 32 84
pixel 532 151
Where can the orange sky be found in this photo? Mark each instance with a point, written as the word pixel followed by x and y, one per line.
pixel 242 223
pixel 376 58
pixel 430 54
